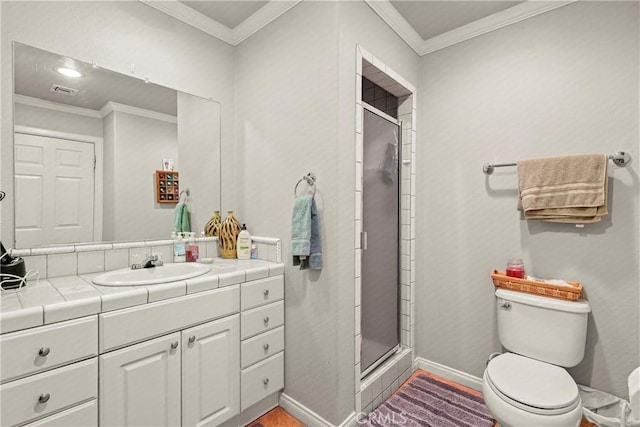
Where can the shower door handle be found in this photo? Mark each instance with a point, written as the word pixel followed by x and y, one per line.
pixel 363 240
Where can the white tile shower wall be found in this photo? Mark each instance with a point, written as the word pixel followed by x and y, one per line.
pixel 380 384
pixel 389 374
pixel 57 261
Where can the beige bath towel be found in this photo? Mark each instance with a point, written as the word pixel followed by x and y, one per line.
pixel 564 189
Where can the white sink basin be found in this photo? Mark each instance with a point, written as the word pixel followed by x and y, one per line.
pixel 151 276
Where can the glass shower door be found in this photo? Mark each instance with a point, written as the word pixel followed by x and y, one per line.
pixel 380 242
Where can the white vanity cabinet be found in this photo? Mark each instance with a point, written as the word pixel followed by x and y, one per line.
pixel 211 372
pixel 192 360
pixel 49 374
pixel 262 335
pixel 189 377
pixel 140 384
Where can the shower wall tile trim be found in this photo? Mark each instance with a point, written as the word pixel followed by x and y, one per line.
pixel 369 393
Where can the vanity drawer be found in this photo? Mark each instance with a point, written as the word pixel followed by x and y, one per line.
pixel 261 292
pixel 39 349
pixel 39 395
pixel 130 325
pixel 262 379
pixel 261 319
pixel 85 415
pixel 262 346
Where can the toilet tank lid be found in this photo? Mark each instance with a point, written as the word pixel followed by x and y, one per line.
pixel 580 306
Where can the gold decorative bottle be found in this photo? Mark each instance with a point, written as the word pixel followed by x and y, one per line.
pixel 212 228
pixel 228 236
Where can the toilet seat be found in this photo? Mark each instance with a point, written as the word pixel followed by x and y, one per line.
pixel 531 385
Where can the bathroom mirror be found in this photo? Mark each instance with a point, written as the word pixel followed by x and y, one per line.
pixel 87 145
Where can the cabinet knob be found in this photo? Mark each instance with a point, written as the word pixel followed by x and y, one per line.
pixel 266 319
pixel 174 345
pixel 266 293
pixel 192 339
pixel 44 398
pixel 266 347
pixel 43 351
pixel 266 381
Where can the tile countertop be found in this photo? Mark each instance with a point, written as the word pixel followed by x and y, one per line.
pixel 56 299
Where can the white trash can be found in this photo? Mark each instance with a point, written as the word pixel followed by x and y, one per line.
pixel 606 410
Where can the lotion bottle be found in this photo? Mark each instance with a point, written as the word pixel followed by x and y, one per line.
pixel 193 251
pixel 243 244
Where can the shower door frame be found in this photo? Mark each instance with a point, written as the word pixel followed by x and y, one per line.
pixel 395 348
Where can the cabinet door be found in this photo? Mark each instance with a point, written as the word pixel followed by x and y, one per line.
pixel 211 372
pixel 140 385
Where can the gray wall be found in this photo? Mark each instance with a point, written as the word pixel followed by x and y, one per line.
pixel 295 88
pixel 116 35
pixel 136 146
pixel 199 147
pixel 565 82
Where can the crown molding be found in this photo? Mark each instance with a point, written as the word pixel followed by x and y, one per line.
pixel 261 18
pixel 512 15
pixel 392 17
pixel 50 105
pixel 110 107
pixel 383 8
pixel 194 18
pixel 490 23
pixel 29 130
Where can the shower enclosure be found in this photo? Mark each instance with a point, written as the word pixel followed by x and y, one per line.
pixel 380 325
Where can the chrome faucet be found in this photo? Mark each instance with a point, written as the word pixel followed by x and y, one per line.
pixel 149 261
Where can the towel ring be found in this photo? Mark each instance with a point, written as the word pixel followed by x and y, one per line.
pixel 310 178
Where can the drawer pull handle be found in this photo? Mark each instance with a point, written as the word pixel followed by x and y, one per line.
pixel 174 345
pixel 266 381
pixel 192 339
pixel 266 319
pixel 266 347
pixel 44 351
pixel 266 293
pixel 44 398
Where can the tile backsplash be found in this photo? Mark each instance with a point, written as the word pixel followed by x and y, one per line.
pixel 70 260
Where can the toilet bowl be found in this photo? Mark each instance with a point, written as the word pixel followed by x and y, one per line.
pixel 524 392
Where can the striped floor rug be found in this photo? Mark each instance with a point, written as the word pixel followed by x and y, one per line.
pixel 427 402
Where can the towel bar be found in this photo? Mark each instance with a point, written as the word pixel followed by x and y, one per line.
pixel 311 182
pixel 620 158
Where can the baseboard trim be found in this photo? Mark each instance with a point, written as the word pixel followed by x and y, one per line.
pixel 449 373
pixel 308 417
pixel 254 412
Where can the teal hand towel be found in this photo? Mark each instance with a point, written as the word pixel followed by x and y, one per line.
pixel 301 229
pixel 314 260
pixel 181 219
pixel 315 251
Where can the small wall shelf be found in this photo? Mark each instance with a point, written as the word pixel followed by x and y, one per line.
pixel 167 186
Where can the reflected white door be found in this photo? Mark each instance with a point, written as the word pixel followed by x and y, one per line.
pixel 54 190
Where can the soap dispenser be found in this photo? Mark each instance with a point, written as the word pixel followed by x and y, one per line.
pixel 179 254
pixel 244 243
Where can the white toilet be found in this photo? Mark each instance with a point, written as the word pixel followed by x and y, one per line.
pixel 529 387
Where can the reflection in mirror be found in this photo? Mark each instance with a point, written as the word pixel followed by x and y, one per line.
pixel 88 143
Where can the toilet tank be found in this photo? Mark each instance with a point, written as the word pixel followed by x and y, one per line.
pixel 543 328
